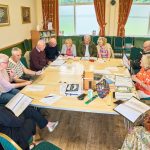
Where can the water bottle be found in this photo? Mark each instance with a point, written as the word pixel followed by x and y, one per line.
pixel 90 91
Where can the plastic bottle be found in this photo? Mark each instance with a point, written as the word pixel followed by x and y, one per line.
pixel 90 91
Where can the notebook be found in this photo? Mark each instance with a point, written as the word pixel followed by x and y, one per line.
pixel 126 61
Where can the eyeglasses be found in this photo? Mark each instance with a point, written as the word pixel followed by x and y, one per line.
pixel 5 62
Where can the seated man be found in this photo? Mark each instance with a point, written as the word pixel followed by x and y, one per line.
pixel 22 128
pixel 87 48
pixel 135 64
pixel 20 71
pixel 38 58
pixel 52 50
pixel 146 47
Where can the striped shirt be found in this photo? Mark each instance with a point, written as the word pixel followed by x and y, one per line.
pixel 16 67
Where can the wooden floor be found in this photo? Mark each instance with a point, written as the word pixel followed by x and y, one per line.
pixel 85 131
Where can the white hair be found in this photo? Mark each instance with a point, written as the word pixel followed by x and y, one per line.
pixel 14 50
pixel 40 42
pixel 87 36
pixel 3 58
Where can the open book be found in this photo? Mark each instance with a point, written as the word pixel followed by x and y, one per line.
pixel 18 103
pixel 132 109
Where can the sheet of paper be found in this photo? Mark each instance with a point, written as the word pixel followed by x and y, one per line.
pixel 132 109
pixel 35 88
pixel 128 112
pixel 102 71
pixel 50 99
pixel 112 68
pixel 57 62
pixel 18 103
pixel 123 81
pixel 123 96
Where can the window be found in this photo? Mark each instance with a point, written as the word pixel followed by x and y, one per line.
pixel 77 17
pixel 138 23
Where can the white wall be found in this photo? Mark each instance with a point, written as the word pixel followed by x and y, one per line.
pixel 111 18
pixel 16 31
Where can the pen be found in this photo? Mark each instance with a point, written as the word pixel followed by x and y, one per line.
pixel 48 96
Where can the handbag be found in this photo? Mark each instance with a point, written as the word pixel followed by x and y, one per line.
pixel 102 88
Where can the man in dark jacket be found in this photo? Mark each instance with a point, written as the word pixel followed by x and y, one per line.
pixel 52 50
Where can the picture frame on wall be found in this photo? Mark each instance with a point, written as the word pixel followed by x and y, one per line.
pixel 26 14
pixel 4 15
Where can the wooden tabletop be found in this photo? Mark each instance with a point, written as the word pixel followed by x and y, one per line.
pixel 72 72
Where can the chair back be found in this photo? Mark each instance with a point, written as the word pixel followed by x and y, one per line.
pixel 27 45
pixel 27 57
pixel 8 143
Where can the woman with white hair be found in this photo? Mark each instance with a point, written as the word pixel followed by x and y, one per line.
pixel 104 49
pixel 7 89
pixel 142 78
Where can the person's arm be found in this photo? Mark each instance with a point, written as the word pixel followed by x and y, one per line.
pixel 98 51
pixel 74 50
pixel 94 50
pixel 145 86
pixel 30 72
pixel 63 50
pixel 110 51
pixel 79 51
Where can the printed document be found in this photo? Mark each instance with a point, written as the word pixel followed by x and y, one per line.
pixel 18 103
pixel 132 109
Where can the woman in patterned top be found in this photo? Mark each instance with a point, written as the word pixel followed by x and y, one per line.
pixel 139 137
pixel 68 49
pixel 142 78
pixel 104 49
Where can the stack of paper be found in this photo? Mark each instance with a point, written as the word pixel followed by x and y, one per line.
pixel 123 81
pixel 57 62
pixel 123 96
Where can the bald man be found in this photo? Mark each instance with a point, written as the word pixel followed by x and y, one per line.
pixel 38 58
pixel 52 50
pixel 146 47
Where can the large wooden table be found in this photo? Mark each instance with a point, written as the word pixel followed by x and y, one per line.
pixel 72 72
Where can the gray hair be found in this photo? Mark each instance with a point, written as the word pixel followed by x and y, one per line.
pixel 87 36
pixel 3 58
pixel 40 42
pixel 14 50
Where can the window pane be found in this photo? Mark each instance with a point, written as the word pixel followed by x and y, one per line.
pixel 141 1
pixel 66 19
pixel 84 1
pixel 86 19
pixel 66 2
pixel 138 21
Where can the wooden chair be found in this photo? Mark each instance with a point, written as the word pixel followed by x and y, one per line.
pixel 9 144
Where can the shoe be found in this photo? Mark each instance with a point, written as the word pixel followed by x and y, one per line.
pixel 52 125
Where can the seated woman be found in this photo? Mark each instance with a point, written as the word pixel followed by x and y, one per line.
pixel 139 137
pixel 104 49
pixel 68 49
pixel 142 78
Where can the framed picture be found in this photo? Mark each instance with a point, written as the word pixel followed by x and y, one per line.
pixel 26 16
pixel 4 15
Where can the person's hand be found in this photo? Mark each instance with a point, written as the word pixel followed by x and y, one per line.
pixel 28 82
pixel 39 72
pixel 134 78
pixel 11 73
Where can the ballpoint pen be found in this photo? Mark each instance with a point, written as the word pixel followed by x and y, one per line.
pixel 48 96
